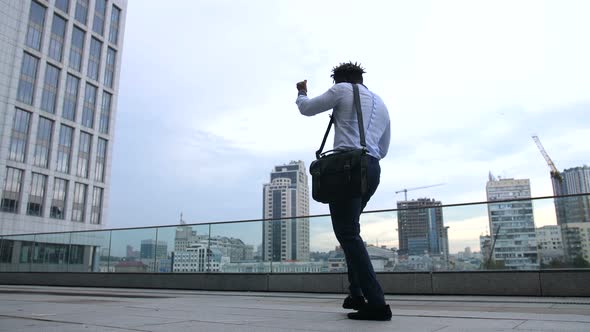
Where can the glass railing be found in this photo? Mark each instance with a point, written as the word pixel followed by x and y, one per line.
pixel 420 235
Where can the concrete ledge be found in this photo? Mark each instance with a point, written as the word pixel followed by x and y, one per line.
pixel 509 283
pixel 565 283
pixel 196 281
pixel 406 282
pixel 307 283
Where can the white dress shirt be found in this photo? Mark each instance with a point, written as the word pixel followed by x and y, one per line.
pixel 346 129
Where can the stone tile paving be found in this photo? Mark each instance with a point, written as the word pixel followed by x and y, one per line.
pixel 30 308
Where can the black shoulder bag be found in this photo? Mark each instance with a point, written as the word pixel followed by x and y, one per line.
pixel 341 174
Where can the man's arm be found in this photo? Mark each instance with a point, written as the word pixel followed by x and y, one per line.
pixel 384 141
pixel 320 103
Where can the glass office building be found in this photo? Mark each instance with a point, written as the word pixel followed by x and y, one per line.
pixel 59 80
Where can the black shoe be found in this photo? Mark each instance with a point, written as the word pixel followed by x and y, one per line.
pixel 372 312
pixel 353 302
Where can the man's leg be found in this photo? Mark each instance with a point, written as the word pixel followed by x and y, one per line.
pixel 354 286
pixel 376 309
pixel 345 220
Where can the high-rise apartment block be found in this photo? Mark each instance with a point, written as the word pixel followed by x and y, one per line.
pixel 421 228
pixel 512 223
pixel 572 209
pixel 286 238
pixel 59 79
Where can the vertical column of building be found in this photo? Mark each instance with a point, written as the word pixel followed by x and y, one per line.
pixel 60 65
pixel 302 252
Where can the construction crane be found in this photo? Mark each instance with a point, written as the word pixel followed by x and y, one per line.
pixel 554 172
pixel 493 246
pixel 405 191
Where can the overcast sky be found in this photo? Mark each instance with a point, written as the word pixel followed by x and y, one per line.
pixel 207 101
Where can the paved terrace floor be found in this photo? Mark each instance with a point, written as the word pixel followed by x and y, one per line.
pixel 27 308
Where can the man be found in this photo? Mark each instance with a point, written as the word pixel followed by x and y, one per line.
pixel 346 213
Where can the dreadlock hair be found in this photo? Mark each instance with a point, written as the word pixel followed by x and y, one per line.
pixel 348 72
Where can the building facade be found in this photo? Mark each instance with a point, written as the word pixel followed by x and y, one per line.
pixel 421 229
pixel 550 244
pixel 512 223
pixel 285 237
pixel 572 209
pixel 185 236
pixel 59 80
pixel 151 249
pixel 199 257
pixel 576 240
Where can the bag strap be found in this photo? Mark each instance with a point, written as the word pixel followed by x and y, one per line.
pixel 359 115
pixel 318 153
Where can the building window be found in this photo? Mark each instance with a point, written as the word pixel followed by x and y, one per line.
pixel 58 203
pixel 28 75
pixel 35 26
pixel 89 106
pixel 37 195
pixel 71 98
pixel 100 11
pixel 114 30
pixel 105 113
pixel 109 71
pixel 94 58
pixel 11 192
pixel 81 14
pixel 56 42
pixel 50 88
pixel 62 5
pixel 64 149
pixel 43 145
pixel 84 154
pixel 96 206
pixel 79 202
pixel 19 136
pixel 101 155
pixel 77 49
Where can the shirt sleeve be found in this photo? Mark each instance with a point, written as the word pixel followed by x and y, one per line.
pixel 319 104
pixel 384 141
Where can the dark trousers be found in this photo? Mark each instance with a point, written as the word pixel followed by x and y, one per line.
pixel 345 221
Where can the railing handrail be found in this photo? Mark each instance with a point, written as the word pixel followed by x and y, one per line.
pixel 308 216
